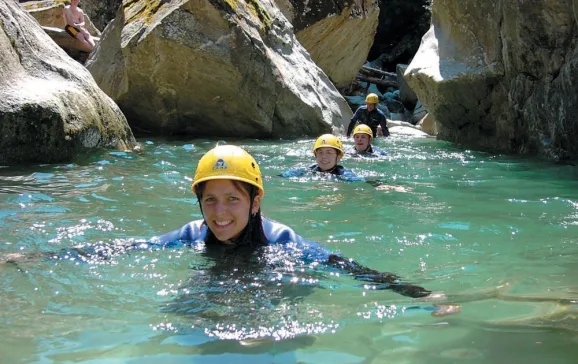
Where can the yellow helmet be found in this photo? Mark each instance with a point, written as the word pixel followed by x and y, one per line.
pixel 329 140
pixel 363 129
pixel 228 162
pixel 372 99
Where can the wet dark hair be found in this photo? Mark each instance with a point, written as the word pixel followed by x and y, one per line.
pixel 252 235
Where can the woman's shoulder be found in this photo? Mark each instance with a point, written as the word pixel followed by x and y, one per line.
pixel 192 231
pixel 277 232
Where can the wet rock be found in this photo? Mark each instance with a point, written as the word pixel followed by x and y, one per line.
pixel 428 125
pixel 418 113
pixel 408 97
pixel 393 104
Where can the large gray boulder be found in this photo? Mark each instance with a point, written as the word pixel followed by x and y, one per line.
pixel 209 69
pixel 50 107
pixel 501 75
pixel 406 94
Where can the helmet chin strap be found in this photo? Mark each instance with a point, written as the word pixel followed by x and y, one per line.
pixel 200 205
pixel 247 232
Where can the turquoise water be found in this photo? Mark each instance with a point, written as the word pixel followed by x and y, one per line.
pixel 496 234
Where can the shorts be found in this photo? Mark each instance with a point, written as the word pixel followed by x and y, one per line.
pixel 73 31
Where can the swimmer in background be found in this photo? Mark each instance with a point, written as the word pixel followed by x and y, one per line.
pixel 370 115
pixel 328 151
pixel 362 138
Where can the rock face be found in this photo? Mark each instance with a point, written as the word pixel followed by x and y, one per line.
pixel 214 68
pixel 337 34
pixel 406 94
pixel 500 75
pixel 50 107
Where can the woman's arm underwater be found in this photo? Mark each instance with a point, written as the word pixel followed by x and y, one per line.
pixel 316 253
pixel 312 252
pixel 381 280
pixel 189 235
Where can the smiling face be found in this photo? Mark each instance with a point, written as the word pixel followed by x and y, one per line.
pixel 226 208
pixel 361 142
pixel 326 158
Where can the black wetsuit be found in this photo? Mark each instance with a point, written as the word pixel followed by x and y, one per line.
pixel 370 118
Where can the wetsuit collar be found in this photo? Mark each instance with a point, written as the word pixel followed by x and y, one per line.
pixel 367 150
pixel 327 170
pixel 336 170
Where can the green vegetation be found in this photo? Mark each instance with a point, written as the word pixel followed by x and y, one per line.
pixel 232 4
pixel 254 7
pixel 146 9
pixel 257 10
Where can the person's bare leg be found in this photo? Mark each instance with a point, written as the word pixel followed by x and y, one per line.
pixel 86 45
pixel 88 38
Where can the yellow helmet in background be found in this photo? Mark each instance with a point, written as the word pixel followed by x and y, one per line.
pixel 330 141
pixel 363 129
pixel 228 162
pixel 372 99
